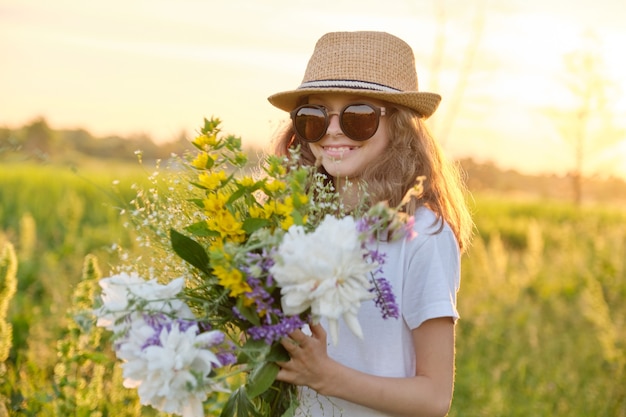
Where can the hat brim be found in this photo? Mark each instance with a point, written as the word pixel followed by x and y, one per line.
pixel 422 102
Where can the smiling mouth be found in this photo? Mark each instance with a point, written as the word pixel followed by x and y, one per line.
pixel 338 151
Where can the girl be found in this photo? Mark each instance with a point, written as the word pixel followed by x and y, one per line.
pixel 359 116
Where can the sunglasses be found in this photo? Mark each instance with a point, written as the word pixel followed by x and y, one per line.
pixel 358 121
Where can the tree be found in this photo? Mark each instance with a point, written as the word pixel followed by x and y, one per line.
pixel 38 137
pixel 465 65
pixel 587 126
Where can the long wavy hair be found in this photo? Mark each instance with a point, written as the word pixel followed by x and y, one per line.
pixel 412 153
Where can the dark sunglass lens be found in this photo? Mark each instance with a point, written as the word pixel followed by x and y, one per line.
pixel 359 121
pixel 310 123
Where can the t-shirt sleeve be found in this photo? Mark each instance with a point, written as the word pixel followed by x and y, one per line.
pixel 432 278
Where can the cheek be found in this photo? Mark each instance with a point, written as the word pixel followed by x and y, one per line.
pixel 381 141
pixel 316 149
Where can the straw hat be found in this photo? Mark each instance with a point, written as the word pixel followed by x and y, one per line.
pixel 371 64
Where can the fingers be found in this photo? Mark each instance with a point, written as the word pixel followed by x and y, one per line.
pixel 287 369
pixel 318 332
pixel 299 337
pixel 293 370
pixel 298 340
pixel 285 375
pixel 308 355
pixel 289 344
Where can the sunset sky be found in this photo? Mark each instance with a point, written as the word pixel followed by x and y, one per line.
pixel 159 66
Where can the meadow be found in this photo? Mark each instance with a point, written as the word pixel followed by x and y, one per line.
pixel 542 301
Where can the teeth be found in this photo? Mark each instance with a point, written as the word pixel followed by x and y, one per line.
pixel 338 149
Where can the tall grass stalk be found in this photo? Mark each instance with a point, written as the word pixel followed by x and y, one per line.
pixel 8 285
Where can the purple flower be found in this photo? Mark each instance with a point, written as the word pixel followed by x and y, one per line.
pixel 379 257
pixel 225 353
pixel 365 226
pixel 385 299
pixel 274 332
pixel 158 322
pixel 226 358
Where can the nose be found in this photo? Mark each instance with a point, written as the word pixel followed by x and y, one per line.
pixel 334 128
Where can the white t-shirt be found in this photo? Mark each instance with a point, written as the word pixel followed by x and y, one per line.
pixel 424 273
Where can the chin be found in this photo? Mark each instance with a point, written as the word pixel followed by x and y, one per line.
pixel 336 171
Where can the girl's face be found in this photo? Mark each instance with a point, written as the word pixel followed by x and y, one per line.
pixel 342 157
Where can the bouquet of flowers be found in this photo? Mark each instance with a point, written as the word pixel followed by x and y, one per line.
pixel 266 254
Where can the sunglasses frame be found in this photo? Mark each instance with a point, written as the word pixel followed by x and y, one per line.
pixel 379 111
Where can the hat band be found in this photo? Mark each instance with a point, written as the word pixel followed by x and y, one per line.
pixel 350 84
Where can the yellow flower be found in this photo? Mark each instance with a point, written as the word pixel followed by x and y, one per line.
pixel 285 208
pixel 232 279
pixel 302 198
pixel 227 225
pixel 276 169
pixel 201 160
pixel 212 180
pixel 274 186
pixel 257 212
pixel 248 301
pixel 247 181
pixel 287 222
pixel 269 209
pixel 215 202
pixel 204 140
pixel 217 243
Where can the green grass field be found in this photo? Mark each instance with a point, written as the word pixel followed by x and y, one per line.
pixel 542 301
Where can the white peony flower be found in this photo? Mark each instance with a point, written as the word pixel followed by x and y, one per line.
pixel 165 359
pixel 172 375
pixel 326 271
pixel 121 293
pixel 130 345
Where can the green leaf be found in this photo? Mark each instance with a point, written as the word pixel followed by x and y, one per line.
pixel 251 224
pixel 236 195
pixel 278 353
pixel 291 410
pixel 190 251
pixel 297 217
pixel 201 229
pixel 197 201
pixel 241 159
pixel 211 126
pixel 253 351
pixel 239 404
pixel 248 312
pixel 234 142
pixel 230 408
pixel 261 379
